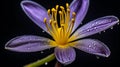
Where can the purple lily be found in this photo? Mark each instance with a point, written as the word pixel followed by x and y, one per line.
pixel 63 42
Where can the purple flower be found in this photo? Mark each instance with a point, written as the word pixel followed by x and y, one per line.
pixel 64 41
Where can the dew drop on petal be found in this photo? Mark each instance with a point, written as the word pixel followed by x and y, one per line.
pixel 95 27
pixel 96 23
pixel 93 24
pixel 89 46
pixel 94 44
pixel 28 48
pixel 42 52
pixel 46 63
pixel 88 30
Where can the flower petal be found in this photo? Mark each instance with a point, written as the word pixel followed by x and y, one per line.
pixel 28 43
pixel 65 55
pixel 80 7
pixel 93 46
pixel 96 26
pixel 35 12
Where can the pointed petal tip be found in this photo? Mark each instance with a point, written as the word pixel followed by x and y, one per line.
pixel 25 2
pixel 114 18
pixel 107 54
pixel 6 48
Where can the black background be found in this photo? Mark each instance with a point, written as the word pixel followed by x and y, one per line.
pixel 14 23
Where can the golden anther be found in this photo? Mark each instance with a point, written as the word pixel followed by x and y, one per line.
pixel 55 22
pixel 62 7
pixel 53 10
pixel 73 14
pixel 48 11
pixel 60 12
pixel 45 20
pixel 73 20
pixel 57 7
pixel 67 5
pixel 68 10
pixel 62 25
pixel 50 21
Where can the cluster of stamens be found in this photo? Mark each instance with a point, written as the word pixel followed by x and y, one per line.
pixel 62 32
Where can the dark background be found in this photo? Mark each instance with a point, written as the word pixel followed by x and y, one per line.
pixel 14 23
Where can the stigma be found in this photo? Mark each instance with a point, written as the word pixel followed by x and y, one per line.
pixel 62 29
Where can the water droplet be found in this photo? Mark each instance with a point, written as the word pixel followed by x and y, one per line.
pixel 111 27
pixel 104 31
pixel 42 52
pixel 95 27
pixel 118 23
pixel 88 30
pixel 43 31
pixel 93 24
pixel 94 44
pixel 89 46
pixel 28 48
pixel 97 57
pixel 46 63
pixel 96 22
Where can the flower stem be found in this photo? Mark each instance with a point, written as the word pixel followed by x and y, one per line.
pixel 41 62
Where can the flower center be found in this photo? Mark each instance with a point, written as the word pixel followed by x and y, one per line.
pixel 61 33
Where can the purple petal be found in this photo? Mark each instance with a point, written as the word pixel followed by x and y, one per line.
pixel 65 55
pixel 96 26
pixel 93 46
pixel 80 7
pixel 28 43
pixel 35 12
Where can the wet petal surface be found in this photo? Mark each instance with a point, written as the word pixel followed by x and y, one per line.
pixel 93 46
pixel 96 26
pixel 65 55
pixel 35 12
pixel 80 7
pixel 27 43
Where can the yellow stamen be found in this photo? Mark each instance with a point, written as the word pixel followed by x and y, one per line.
pixel 61 34
pixel 48 12
pixel 67 5
pixel 74 14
